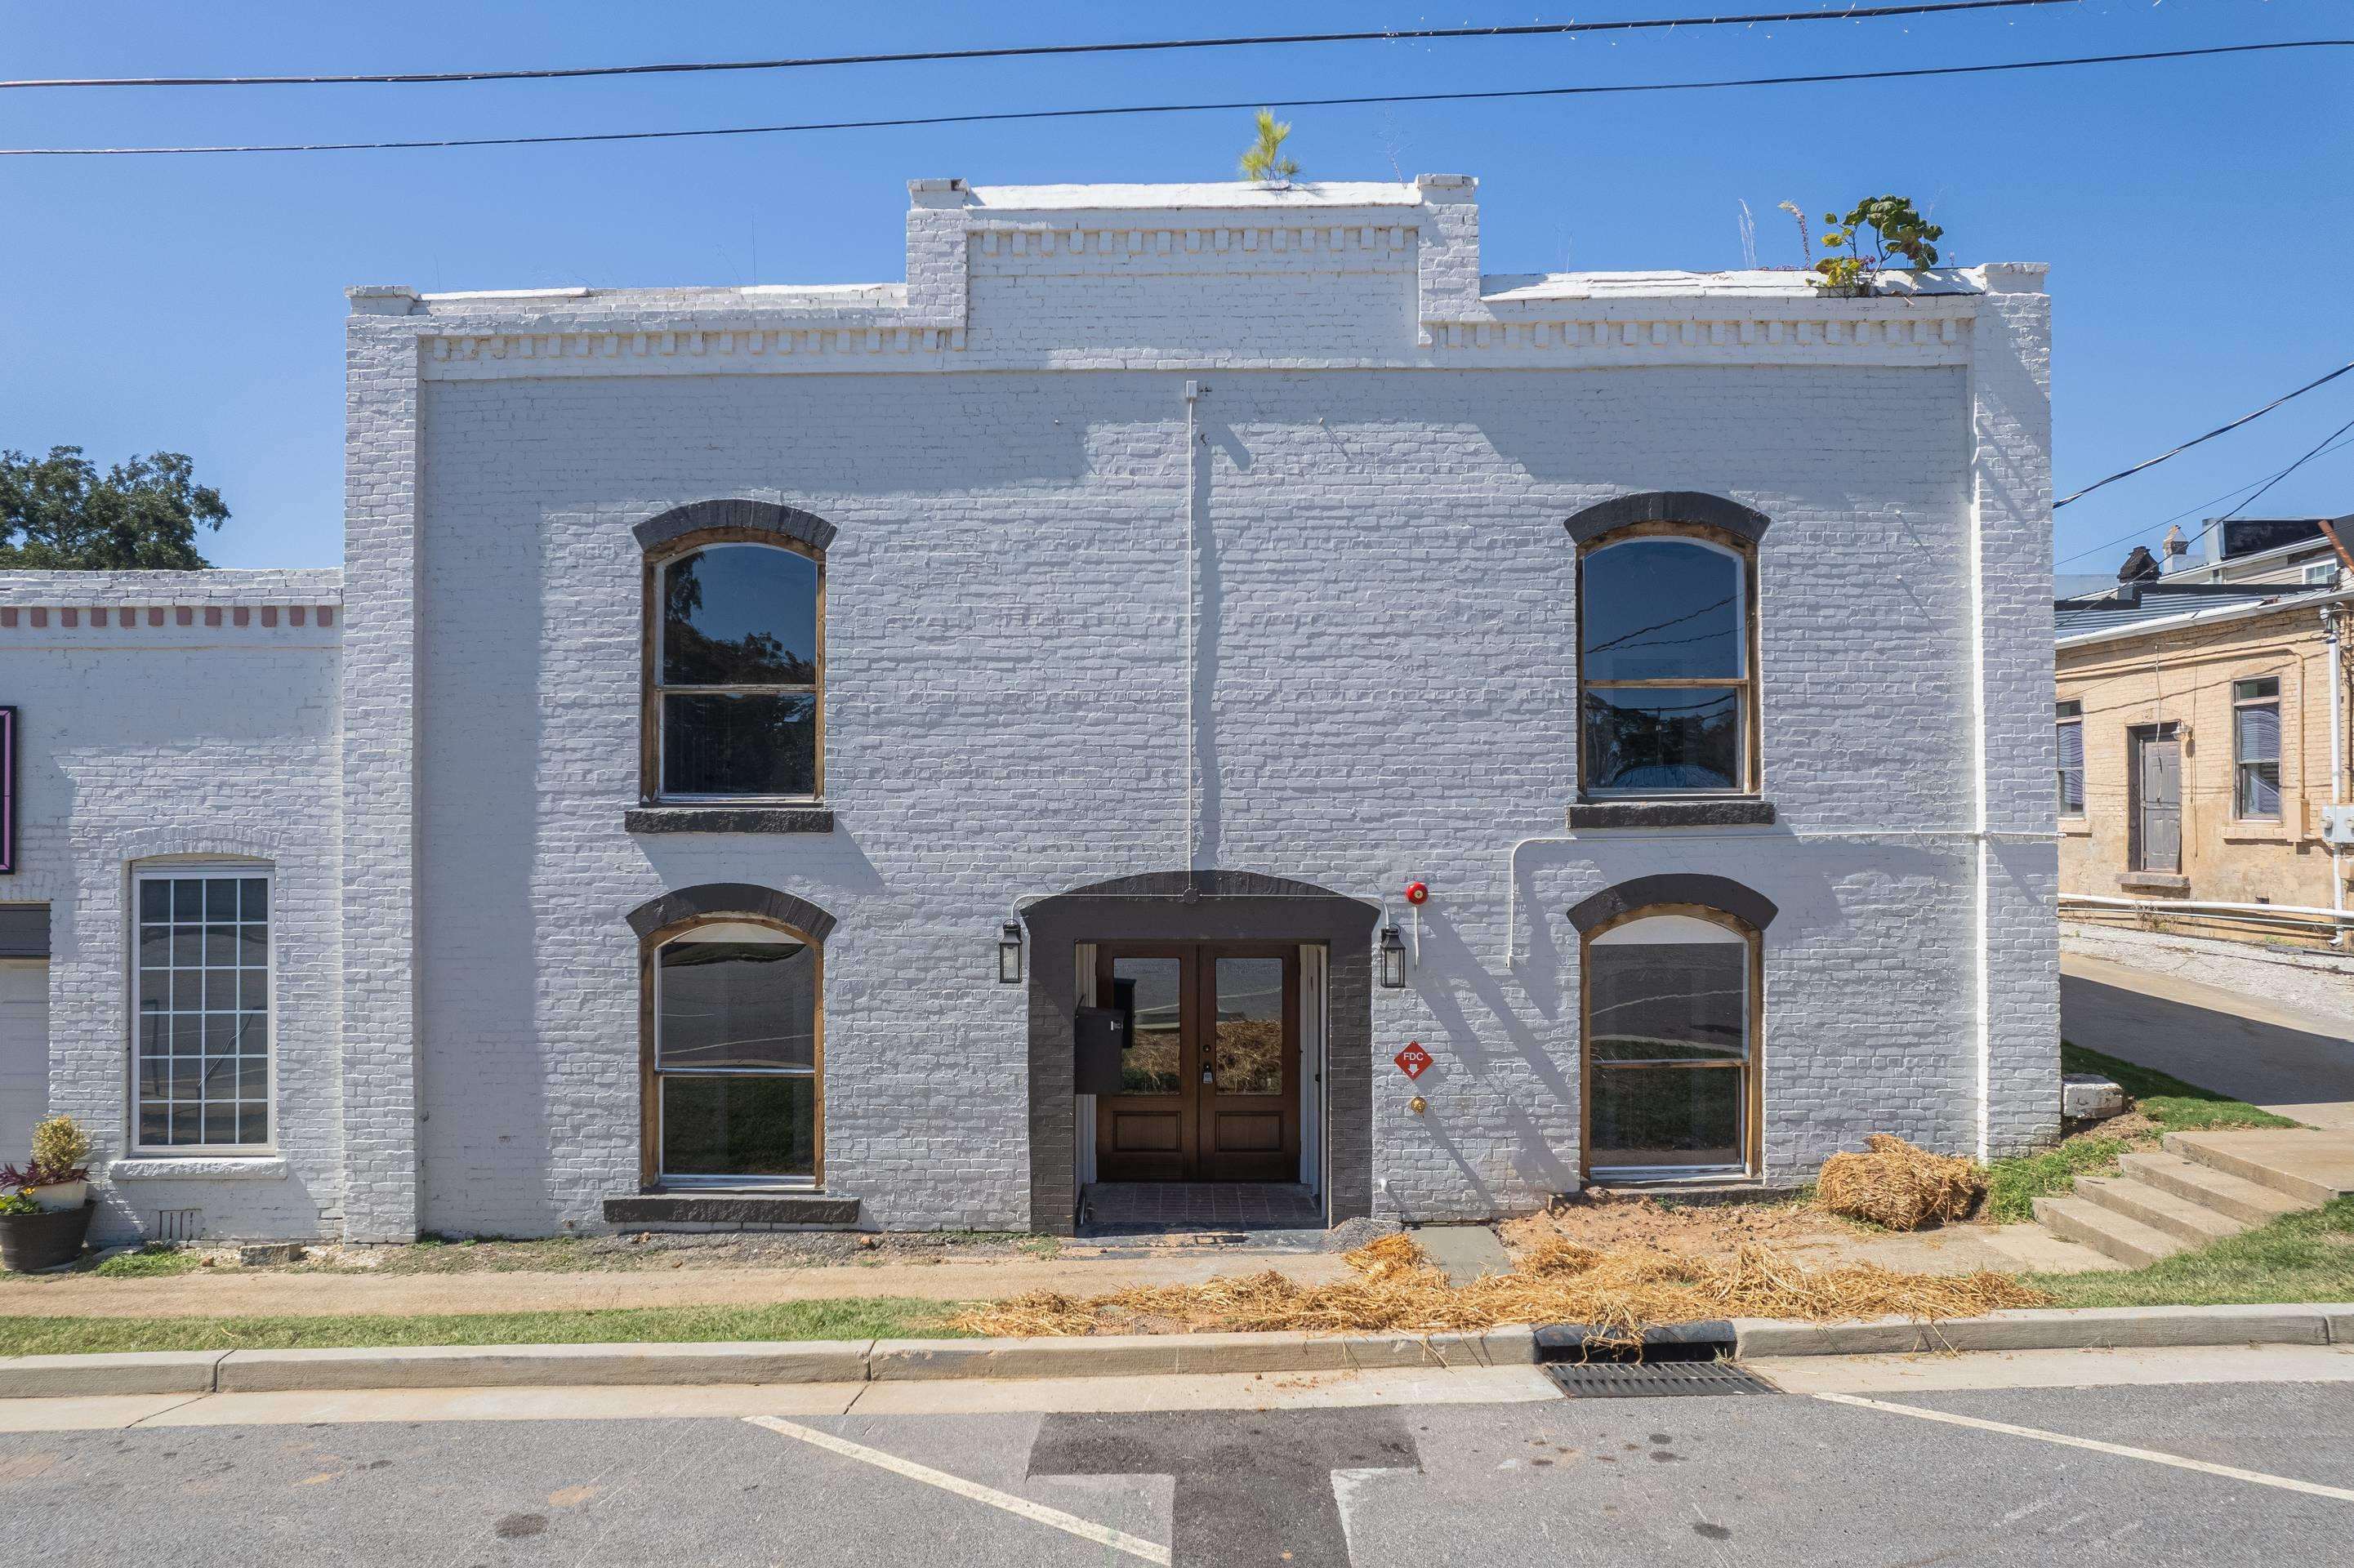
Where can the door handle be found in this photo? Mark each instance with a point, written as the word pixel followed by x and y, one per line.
pixel 1208 1076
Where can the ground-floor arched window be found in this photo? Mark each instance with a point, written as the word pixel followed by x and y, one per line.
pixel 1670 1041
pixel 733 1085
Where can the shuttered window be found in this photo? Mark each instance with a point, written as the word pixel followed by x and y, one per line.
pixel 2255 749
pixel 2070 728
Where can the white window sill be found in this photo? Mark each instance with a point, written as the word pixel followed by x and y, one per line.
pixel 199 1168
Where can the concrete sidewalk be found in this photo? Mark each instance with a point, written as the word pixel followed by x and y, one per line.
pixel 2294 1064
pixel 236 1293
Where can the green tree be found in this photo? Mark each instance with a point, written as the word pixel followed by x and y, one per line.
pixel 60 513
pixel 1263 159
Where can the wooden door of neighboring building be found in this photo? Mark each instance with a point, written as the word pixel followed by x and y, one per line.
pixel 1209 1061
pixel 2157 800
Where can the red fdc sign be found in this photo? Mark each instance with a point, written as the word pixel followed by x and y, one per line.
pixel 1413 1060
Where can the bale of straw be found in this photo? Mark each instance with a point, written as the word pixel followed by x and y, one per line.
pixel 1894 1184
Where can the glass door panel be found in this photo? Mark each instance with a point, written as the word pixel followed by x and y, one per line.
pixel 1246 1053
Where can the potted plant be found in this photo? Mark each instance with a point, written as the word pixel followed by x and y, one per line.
pixel 44 1207
pixel 1899 235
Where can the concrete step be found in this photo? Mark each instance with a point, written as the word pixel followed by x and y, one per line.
pixel 2160 1209
pixel 2204 1184
pixel 2104 1230
pixel 2310 1166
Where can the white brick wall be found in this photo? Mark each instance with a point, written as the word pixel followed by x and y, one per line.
pixel 139 742
pixel 1389 446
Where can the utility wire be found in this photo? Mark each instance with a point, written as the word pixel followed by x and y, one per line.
pixel 2218 430
pixel 1397 35
pixel 1010 115
pixel 2257 484
pixel 2315 451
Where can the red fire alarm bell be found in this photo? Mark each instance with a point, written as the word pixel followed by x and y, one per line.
pixel 1416 893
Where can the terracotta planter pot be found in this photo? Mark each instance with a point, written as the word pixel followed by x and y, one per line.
pixel 32 1241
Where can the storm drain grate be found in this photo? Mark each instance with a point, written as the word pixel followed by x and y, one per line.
pixel 1653 1380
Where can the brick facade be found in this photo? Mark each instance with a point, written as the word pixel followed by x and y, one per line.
pixel 1385 446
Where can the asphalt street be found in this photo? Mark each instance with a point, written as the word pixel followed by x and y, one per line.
pixel 1775 1478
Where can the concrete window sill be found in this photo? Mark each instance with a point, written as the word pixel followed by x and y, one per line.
pixel 2076 827
pixel 2154 882
pixel 728 820
pixel 1734 812
pixel 206 1167
pixel 2256 833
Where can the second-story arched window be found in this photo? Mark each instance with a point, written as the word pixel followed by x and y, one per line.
pixel 1665 666
pixel 735 698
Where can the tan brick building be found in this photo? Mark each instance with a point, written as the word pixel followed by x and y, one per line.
pixel 2196 732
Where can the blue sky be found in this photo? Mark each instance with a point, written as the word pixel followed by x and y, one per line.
pixel 2190 210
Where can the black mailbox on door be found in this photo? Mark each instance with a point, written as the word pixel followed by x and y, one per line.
pixel 1098 1033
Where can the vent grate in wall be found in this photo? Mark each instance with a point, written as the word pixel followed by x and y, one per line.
pixel 177 1225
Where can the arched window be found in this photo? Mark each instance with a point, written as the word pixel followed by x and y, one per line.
pixel 1671 1025
pixel 736 1054
pixel 1665 662
pixel 735 694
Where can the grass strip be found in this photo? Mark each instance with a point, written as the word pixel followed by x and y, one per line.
pixel 853 1318
pixel 2175 1106
pixel 2014 1184
pixel 2305 1256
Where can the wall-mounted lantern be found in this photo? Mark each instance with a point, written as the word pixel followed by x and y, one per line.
pixel 1008 954
pixel 1393 959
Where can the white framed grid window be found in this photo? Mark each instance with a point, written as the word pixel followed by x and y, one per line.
pixel 203 1057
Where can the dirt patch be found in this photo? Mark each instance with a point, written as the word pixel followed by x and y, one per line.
pixel 1617 1221
pixel 1394 1288
pixel 655 1249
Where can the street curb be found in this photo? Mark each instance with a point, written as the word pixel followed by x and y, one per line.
pixel 1135 1355
pixel 748 1363
pixel 2053 1329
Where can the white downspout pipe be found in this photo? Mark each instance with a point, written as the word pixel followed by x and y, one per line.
pixel 2336 764
pixel 1192 665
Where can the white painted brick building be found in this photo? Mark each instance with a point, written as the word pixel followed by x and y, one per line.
pixel 1210 537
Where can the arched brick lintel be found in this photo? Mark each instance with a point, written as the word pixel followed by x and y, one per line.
pixel 718 900
pixel 1745 903
pixel 768 516
pixel 1669 506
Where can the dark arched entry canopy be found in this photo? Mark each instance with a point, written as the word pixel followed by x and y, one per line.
pixel 1199 906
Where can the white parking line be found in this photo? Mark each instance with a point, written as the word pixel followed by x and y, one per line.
pixel 2231 1472
pixel 1069 1523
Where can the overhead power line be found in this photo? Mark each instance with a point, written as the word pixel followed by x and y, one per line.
pixel 2258 485
pixel 905 121
pixel 1032 51
pixel 2218 430
pixel 2319 448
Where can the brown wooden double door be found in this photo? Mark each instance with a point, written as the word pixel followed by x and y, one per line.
pixel 1209 1061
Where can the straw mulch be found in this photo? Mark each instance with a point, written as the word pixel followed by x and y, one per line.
pixel 1894 1184
pixel 1395 1288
